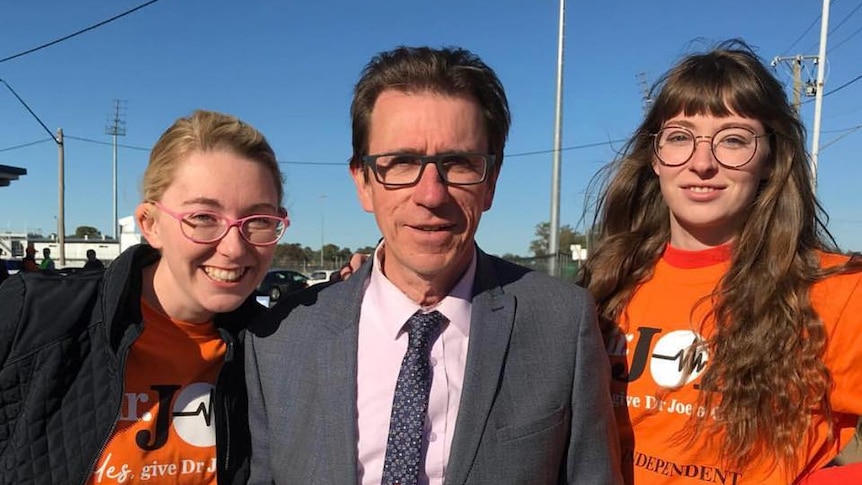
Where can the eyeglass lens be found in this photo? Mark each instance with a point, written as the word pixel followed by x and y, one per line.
pixel 206 227
pixel 733 146
pixel 405 169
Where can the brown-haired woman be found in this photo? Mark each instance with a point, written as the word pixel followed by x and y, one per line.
pixel 732 322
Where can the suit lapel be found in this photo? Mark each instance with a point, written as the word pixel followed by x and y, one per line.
pixel 493 314
pixel 337 385
pixel 338 404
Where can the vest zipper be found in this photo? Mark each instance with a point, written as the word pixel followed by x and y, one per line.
pixel 91 469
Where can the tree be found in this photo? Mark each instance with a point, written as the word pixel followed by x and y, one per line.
pixel 87 231
pixel 367 250
pixel 568 236
pixel 289 253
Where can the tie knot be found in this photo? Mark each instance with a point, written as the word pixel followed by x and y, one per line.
pixel 421 327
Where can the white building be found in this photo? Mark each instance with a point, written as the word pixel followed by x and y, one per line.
pixel 13 245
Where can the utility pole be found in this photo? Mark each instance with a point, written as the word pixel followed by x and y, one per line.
pixel 796 62
pixel 116 127
pixel 61 223
pixel 554 236
pixel 812 88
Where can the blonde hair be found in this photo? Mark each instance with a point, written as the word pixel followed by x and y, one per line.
pixel 205 131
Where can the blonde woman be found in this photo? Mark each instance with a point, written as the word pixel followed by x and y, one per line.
pixel 135 374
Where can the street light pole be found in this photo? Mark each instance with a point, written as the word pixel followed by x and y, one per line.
pixel 818 100
pixel 553 239
pixel 61 223
pixel 61 195
pixel 322 207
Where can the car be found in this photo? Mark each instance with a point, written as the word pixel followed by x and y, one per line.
pixel 280 282
pixel 320 276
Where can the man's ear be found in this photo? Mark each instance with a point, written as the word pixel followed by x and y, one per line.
pixel 363 187
pixel 145 217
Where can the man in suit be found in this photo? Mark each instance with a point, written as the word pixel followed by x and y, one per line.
pixel 505 379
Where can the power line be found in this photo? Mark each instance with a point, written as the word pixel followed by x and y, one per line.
pixel 75 34
pixel 99 142
pixel 305 162
pixel 839 44
pixel 25 145
pixel 839 88
pixel 801 36
pixel 846 17
pixel 848 133
pixel 845 131
pixel 844 85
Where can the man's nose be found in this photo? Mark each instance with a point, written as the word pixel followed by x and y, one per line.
pixel 430 190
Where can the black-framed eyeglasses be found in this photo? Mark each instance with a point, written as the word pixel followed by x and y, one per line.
pixel 404 169
pixel 732 147
pixel 206 227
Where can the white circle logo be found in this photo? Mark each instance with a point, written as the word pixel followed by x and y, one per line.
pixel 677 359
pixel 194 419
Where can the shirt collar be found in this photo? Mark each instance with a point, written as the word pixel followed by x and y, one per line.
pixel 395 308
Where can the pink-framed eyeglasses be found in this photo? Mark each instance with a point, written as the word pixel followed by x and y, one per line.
pixel 206 227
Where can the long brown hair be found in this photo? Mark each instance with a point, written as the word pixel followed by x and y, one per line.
pixel 761 305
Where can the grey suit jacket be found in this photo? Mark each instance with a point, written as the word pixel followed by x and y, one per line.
pixel 535 406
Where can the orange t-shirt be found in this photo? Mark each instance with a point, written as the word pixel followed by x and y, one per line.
pixel 166 429
pixel 650 357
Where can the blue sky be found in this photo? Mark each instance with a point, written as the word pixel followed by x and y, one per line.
pixel 288 68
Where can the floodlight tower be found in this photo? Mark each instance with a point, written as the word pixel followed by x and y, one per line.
pixel 116 127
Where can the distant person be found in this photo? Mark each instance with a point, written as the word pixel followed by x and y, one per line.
pixel 28 263
pixel 504 380
pixel 47 263
pixel 92 264
pixel 4 271
pixel 135 374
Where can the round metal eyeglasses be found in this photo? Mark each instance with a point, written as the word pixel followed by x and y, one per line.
pixel 205 227
pixel 732 147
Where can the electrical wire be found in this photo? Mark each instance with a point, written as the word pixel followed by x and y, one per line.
pixel 75 34
pixel 800 36
pixel 844 41
pixel 845 19
pixel 99 142
pixel 301 162
pixel 839 88
pixel 836 139
pixel 837 26
pixel 25 145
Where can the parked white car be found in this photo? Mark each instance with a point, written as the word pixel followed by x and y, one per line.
pixel 320 276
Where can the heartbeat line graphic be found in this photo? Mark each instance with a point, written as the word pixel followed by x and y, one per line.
pixel 205 409
pixel 691 361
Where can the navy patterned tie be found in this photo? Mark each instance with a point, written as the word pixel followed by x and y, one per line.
pixel 410 404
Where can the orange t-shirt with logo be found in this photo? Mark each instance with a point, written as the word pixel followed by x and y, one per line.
pixel 166 428
pixel 650 357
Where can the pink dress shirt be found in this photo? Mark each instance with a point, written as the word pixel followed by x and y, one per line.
pixel 382 344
